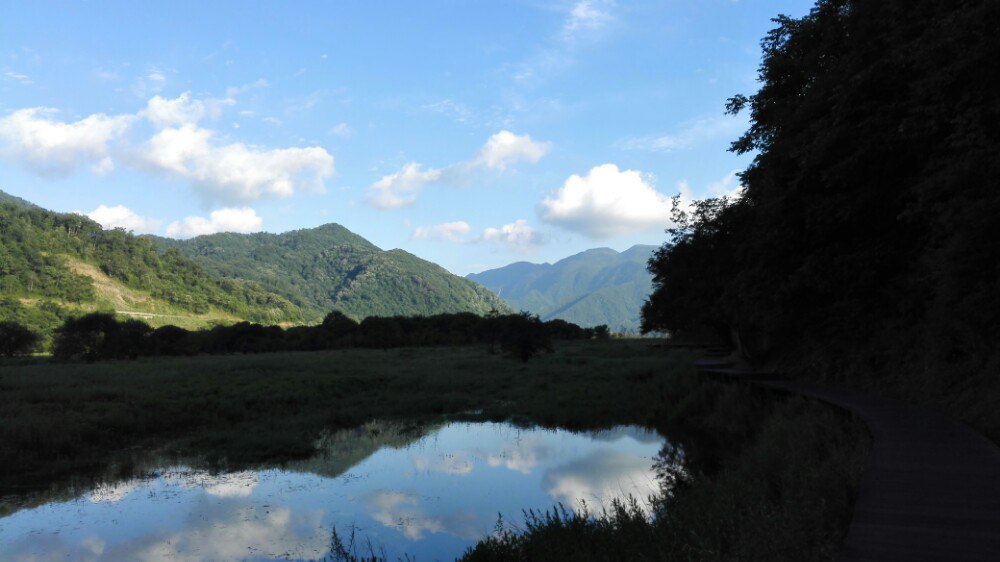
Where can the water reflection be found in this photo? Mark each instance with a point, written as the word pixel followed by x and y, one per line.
pixel 430 492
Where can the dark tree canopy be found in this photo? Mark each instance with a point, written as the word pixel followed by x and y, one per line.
pixel 869 229
pixel 102 336
pixel 16 340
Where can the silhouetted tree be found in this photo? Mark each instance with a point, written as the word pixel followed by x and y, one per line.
pixel 130 340
pixel 338 329
pixel 563 330
pixel 100 336
pixel 170 340
pixel 524 336
pixel 16 340
pixel 492 329
pixel 602 332
pixel 867 232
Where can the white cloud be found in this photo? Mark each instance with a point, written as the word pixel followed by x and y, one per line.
pixel 593 482
pixel 229 534
pixel 224 172
pixel 523 455
pixel 691 134
pixel 183 110
pixel 121 216
pixel 242 219
pixel 728 186
pixel 505 148
pixel 586 15
pixel 451 231
pixel 400 189
pixel 18 77
pixel 32 138
pixel 235 172
pixel 516 235
pixel 500 150
pixel 402 511
pixel 342 130
pixel 607 202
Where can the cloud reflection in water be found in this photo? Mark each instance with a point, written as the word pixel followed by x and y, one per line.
pixel 430 494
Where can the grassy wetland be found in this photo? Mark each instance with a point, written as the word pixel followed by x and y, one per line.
pixel 751 462
pixel 59 419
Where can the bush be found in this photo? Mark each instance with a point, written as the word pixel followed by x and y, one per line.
pixel 523 336
pixel 338 329
pixel 99 335
pixel 16 340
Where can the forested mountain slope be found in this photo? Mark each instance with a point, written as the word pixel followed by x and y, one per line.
pixel 331 268
pixel 54 264
pixel 599 286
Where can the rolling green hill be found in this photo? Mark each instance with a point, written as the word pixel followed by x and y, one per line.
pixel 599 286
pixel 53 265
pixel 331 268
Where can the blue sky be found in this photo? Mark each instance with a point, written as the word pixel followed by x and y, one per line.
pixel 471 134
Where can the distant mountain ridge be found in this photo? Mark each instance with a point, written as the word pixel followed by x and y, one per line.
pixel 598 286
pixel 331 268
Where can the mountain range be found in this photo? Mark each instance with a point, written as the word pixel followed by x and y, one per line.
pixel 54 265
pixel 599 286
pixel 331 268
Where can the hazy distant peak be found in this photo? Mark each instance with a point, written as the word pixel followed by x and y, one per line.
pixel 596 286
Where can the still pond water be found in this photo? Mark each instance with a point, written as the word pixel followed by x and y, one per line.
pixel 428 493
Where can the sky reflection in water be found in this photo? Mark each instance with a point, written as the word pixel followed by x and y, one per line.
pixel 430 497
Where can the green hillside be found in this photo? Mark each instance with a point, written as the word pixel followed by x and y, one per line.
pixel 8 199
pixel 599 286
pixel 53 265
pixel 331 268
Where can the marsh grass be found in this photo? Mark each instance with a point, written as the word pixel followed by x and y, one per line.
pixel 60 421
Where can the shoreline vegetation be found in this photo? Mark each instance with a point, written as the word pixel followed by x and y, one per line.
pixel 762 473
pixel 777 479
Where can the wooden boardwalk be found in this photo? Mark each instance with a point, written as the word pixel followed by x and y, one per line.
pixel 931 490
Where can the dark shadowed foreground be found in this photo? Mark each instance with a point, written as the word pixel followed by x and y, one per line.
pixel 748 474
